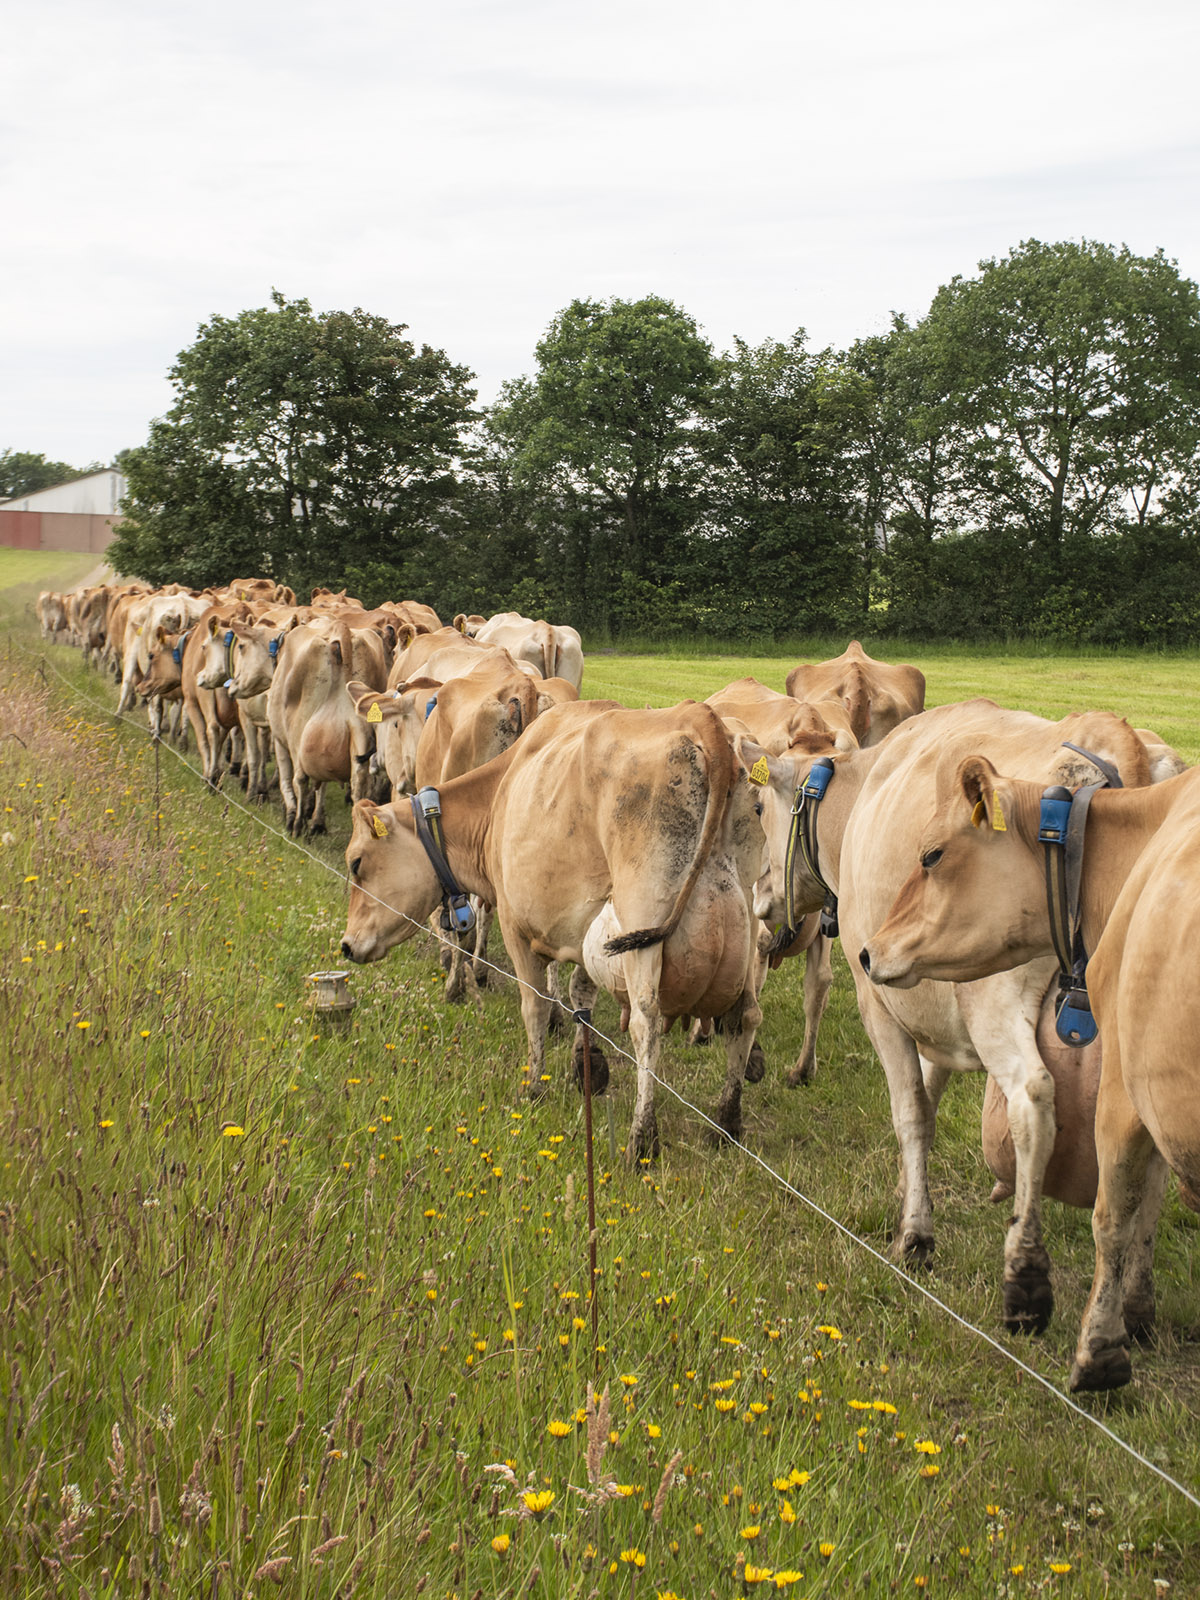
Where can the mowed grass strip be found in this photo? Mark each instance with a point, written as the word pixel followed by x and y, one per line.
pixel 275 1301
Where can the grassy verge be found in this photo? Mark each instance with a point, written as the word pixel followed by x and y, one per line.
pixel 274 1302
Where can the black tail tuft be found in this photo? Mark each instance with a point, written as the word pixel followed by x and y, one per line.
pixel 641 940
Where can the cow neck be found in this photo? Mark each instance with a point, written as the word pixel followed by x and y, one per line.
pixel 467 804
pixel 1120 824
pixel 849 775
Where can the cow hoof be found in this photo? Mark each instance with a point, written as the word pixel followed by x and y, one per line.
pixel 314 828
pixel 599 1067
pixel 643 1143
pixel 482 974
pixel 914 1249
pixel 802 1073
pixel 756 1063
pixel 1108 1368
pixel 1028 1301
pixel 456 993
pixel 558 1020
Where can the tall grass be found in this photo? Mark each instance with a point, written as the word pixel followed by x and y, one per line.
pixel 291 1311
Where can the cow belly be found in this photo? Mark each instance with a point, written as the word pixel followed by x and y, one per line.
pixel 324 752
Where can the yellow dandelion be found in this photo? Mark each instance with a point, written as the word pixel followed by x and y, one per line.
pixel 885 1407
pixel 756 1574
pixel 230 1130
pixel 83 1024
pixel 1018 1569
pixel 725 1405
pixel 829 1330
pixel 799 1479
pixel 634 1557
pixel 107 1122
pixel 557 1429
pixel 628 1379
pixel 752 1532
pixel 653 1431
pixel 538 1501
pixel 501 1543
pixel 826 1549
pixel 786 1511
pixel 785 1579
pixel 1059 1567
pixel 930 1470
pixel 927 1447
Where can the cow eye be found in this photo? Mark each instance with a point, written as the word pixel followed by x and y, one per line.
pixel 355 865
pixel 758 808
pixel 930 859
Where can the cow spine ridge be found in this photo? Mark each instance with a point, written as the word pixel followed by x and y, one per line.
pixel 721 770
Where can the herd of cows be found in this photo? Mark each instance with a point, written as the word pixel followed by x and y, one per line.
pixel 972 858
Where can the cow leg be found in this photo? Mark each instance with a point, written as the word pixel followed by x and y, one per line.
pixel 456 982
pixel 316 823
pixel 1137 1279
pixel 913 1118
pixel 583 991
pixel 1126 1153
pixel 1001 1014
pixel 484 916
pixel 738 1027
pixel 643 975
pixel 558 1011
pixel 818 980
pixel 287 787
pixel 535 1011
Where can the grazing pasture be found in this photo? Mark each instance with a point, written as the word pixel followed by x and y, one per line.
pixel 286 1311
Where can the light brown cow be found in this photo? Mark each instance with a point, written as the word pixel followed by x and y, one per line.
pixel 318 736
pixel 51 609
pixel 876 695
pixel 621 840
pixel 555 651
pixel 782 726
pixel 975 903
pixel 866 827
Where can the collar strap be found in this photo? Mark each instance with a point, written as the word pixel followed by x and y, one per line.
pixel 180 647
pixel 1112 778
pixel 1062 824
pixel 802 835
pixel 457 913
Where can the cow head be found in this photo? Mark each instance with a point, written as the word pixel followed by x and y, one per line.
pixel 393 887
pixel 975 901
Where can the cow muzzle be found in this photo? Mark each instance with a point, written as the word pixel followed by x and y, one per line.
pixel 889 971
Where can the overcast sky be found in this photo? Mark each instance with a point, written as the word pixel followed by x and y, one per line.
pixel 469 167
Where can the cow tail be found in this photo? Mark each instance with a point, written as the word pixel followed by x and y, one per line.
pixel 721 774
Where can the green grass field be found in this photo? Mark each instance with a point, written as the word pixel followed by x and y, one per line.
pixel 291 1312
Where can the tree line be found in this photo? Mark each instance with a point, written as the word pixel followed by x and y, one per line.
pixel 1023 461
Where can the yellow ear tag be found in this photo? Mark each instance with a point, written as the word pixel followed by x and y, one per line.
pixel 374 714
pixel 377 823
pixel 998 822
pixel 979 814
pixel 760 772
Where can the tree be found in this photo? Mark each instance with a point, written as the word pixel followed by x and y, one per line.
pixel 1067 378
pixel 779 550
pixel 603 432
pixel 22 473
pixel 305 446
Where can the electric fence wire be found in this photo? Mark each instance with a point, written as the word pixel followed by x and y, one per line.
pixel 909 1283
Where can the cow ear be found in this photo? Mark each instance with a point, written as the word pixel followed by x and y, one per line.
pixel 212 626
pixel 984 790
pixel 405 635
pixel 760 768
pixel 460 622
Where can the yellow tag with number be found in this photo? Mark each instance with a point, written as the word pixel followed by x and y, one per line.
pixel 374 714
pixel 377 823
pixel 760 772
pixel 979 814
pixel 998 822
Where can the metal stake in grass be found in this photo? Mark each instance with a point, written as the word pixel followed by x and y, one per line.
pixel 157 782
pixel 582 1018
